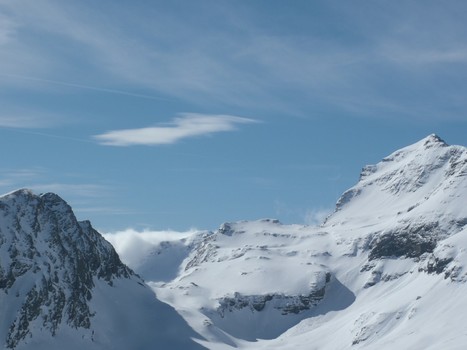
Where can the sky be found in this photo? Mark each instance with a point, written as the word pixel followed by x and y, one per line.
pixel 155 115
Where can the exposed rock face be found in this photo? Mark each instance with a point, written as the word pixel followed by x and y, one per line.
pixel 49 261
pixel 410 241
pixel 205 250
pixel 404 207
pixel 286 304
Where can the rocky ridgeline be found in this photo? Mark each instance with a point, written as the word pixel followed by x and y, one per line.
pixel 286 304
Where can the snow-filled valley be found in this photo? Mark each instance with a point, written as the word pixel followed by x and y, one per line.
pixel 386 270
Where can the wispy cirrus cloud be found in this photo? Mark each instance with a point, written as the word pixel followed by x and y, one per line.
pixel 11 179
pixel 40 180
pixel 7 29
pixel 67 189
pixel 186 126
pixel 31 121
pixel 15 115
pixel 378 59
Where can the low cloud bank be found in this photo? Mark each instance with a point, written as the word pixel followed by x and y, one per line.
pixel 135 247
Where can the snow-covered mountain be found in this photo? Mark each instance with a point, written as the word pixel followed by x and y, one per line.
pixel 386 270
pixel 63 286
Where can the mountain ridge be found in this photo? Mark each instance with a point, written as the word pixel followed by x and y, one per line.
pixel 398 233
pixel 387 269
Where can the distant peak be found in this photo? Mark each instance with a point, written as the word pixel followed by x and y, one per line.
pixel 25 195
pixel 22 192
pixel 433 139
pixel 29 194
pixel 52 197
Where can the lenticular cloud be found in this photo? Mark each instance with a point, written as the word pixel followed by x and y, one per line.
pixel 185 126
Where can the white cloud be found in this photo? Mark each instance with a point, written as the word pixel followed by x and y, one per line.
pixel 153 237
pixel 314 217
pixel 188 125
pixel 133 246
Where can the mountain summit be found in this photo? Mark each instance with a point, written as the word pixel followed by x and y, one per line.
pixel 410 176
pixel 63 286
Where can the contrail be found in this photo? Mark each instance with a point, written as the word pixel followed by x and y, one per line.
pixel 87 87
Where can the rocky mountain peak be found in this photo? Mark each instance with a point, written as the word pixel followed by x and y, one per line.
pixel 433 139
pixel 408 176
pixel 49 262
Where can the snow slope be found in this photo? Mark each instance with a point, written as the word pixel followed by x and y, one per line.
pixel 386 270
pixel 63 286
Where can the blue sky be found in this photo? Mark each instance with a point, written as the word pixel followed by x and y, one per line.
pixel 181 114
